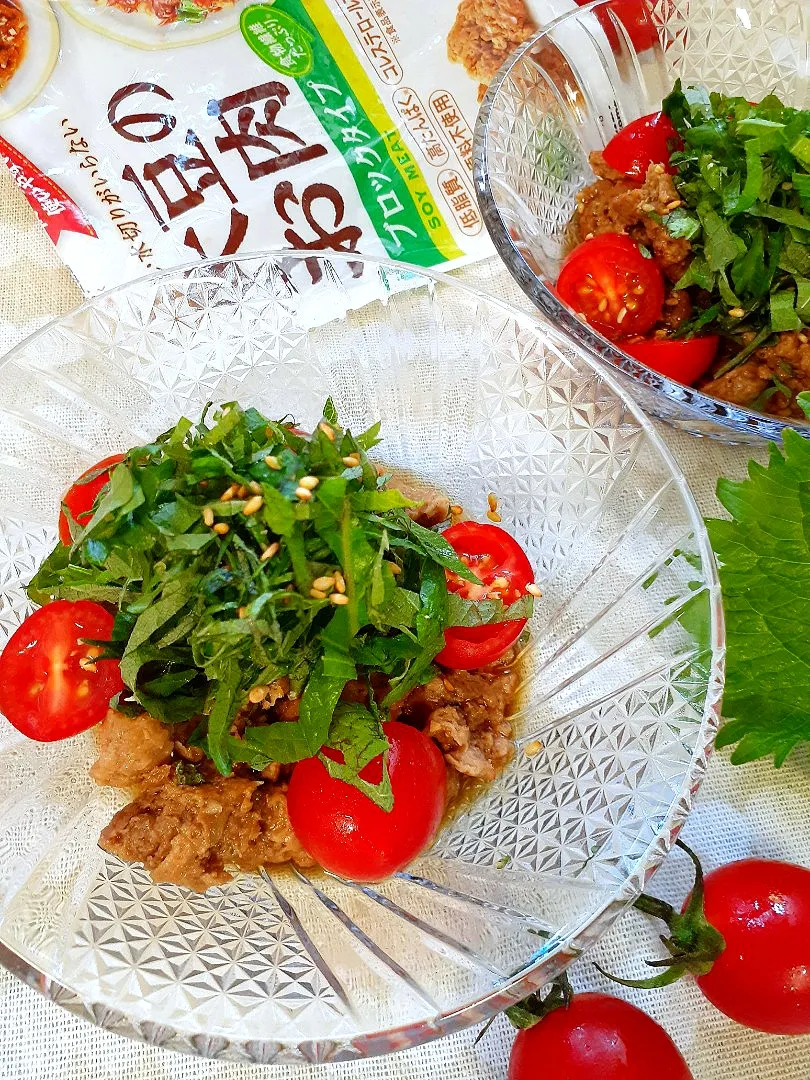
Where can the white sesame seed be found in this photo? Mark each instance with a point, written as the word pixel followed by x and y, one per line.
pixel 317 594
pixel 304 494
pixel 208 516
pixel 270 551
pixel 621 316
pixel 338 599
pixel 340 582
pixel 533 590
pixel 272 462
pixel 309 482
pixel 494 517
pixel 324 584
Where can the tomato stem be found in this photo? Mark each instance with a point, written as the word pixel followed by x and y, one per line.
pixel 693 943
pixel 536 1006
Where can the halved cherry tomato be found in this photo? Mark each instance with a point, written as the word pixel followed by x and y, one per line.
pixel 596 1037
pixel 684 361
pixel 80 498
pixel 501 564
pixel 609 283
pixel 647 141
pixel 635 16
pixel 45 691
pixel 345 832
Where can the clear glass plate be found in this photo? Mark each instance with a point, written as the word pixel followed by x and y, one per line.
pixel 622 685
pixel 566 92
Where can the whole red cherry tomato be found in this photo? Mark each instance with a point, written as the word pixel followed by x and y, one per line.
pixel 345 832
pixel 762 977
pixel 684 361
pixel 647 141
pixel 500 563
pixel 610 284
pixel 596 1037
pixel 81 496
pixel 50 685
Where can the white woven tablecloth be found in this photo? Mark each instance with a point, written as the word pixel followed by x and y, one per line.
pixel 741 810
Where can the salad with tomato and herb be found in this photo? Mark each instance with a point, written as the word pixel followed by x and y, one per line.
pixel 694 247
pixel 288 657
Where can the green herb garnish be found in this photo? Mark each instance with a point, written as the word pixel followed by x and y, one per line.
pixel 744 180
pixel 190 12
pixel 764 554
pixel 210 542
pixel 185 773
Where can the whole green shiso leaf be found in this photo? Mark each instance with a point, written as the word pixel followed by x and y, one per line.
pixel 764 556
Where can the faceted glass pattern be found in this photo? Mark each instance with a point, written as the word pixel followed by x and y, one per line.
pixel 621 689
pixel 567 91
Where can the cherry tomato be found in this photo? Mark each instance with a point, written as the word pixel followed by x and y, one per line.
pixel 44 690
pixel 500 563
pixel 762 978
pixel 684 361
pixel 647 141
pixel 636 19
pixel 345 832
pixel 609 283
pixel 596 1037
pixel 80 498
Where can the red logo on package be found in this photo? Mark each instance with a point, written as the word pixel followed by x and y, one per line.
pixel 54 208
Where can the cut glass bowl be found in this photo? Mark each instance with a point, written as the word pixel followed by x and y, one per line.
pixel 622 681
pixel 566 92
